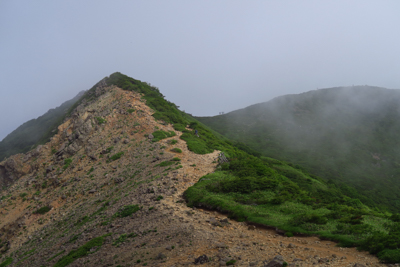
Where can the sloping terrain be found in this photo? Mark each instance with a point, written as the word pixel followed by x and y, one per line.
pixel 349 135
pixel 107 191
pixel 36 131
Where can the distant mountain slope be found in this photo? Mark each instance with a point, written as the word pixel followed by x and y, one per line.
pixel 35 131
pixel 349 134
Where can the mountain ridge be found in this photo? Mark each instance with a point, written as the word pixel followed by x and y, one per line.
pixel 110 188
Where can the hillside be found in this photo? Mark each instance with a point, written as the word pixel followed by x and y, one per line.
pixel 126 182
pixel 36 131
pixel 347 134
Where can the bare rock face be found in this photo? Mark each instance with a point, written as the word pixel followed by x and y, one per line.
pixel 12 169
pixel 276 262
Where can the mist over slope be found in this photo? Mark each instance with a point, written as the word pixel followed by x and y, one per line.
pixel 348 134
pixel 36 131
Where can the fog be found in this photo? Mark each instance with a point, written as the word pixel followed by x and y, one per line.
pixel 205 56
pixel 347 134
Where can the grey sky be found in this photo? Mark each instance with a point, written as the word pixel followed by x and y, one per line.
pixel 205 56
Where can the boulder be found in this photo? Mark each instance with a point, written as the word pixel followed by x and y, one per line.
pixel 276 262
pixel 202 259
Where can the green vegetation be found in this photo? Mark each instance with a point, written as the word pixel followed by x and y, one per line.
pixel 42 210
pixel 231 262
pixel 67 162
pixel 80 252
pixel 165 163
pixel 165 110
pixel 123 238
pixel 131 110
pixel 100 120
pixel 116 156
pixel 126 211
pixel 90 171
pixel 159 135
pixel 55 256
pixel 270 192
pixel 348 135
pixel 177 150
pixel 6 262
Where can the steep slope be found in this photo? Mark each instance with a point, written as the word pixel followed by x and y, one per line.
pixel 36 131
pixel 344 134
pixel 106 191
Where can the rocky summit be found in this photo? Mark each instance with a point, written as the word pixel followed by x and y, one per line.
pixel 108 191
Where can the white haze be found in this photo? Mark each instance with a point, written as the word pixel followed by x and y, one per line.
pixel 205 56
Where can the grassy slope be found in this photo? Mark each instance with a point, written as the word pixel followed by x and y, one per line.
pixel 274 193
pixel 346 134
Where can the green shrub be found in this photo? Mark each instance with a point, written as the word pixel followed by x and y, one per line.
pixel 127 211
pixel 176 159
pixel 395 217
pixel 288 234
pixel 67 162
pixel 131 110
pixel 90 171
pixel 244 185
pixel 100 120
pixel 179 127
pixel 23 195
pixel 122 238
pixel 308 218
pixel 42 210
pixel 6 262
pixel 116 156
pixel 165 163
pixel 159 135
pixel 389 255
pixel 159 198
pixel 197 145
pixel 177 150
pixel 231 262
pixel 173 142
pixel 80 252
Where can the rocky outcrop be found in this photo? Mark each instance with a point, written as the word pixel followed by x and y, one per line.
pixel 12 169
